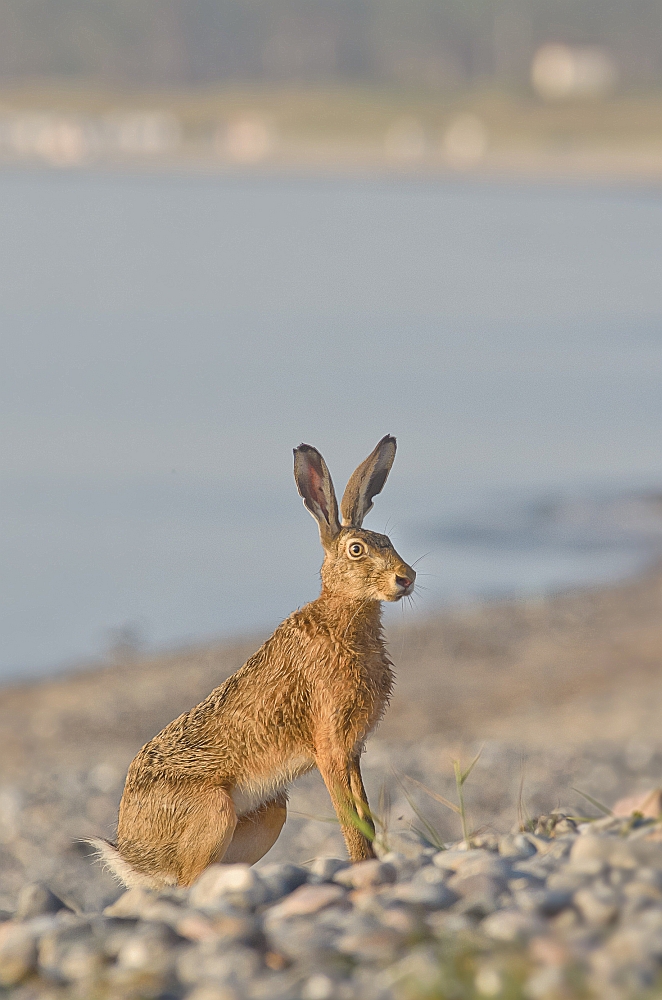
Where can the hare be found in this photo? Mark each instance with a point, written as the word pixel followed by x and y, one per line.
pixel 212 786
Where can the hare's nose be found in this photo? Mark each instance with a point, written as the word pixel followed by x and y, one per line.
pixel 403 581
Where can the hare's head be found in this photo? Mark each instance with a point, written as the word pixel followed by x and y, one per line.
pixel 357 563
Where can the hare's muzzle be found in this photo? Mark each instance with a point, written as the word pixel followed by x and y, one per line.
pixel 405 584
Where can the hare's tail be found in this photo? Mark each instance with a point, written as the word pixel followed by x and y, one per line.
pixel 111 860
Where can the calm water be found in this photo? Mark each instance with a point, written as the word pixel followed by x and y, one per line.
pixel 167 341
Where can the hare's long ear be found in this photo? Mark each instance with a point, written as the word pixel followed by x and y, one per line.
pixel 314 484
pixel 366 482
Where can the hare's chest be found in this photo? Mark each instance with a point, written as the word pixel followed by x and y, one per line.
pixel 365 701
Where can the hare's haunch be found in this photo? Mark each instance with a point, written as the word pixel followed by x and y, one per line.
pixel 212 786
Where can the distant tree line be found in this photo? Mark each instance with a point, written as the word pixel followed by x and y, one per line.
pixel 430 43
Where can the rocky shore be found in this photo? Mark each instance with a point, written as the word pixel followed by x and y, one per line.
pixel 565 910
pixel 561 694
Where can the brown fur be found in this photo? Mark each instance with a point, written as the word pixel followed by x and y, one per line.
pixel 212 785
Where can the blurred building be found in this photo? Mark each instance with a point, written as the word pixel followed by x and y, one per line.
pixel 72 140
pixel 430 43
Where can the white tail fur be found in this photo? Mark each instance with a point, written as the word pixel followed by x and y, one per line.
pixel 112 861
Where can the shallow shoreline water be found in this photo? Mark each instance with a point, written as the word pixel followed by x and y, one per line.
pixel 169 339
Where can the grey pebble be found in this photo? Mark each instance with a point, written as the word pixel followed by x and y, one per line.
pixel 407 845
pixel 239 885
pixel 512 925
pixel 366 873
pixel 476 884
pixel 214 991
pixel 151 949
pixel 452 859
pixel 515 846
pixel 378 944
pixel 305 901
pixel 303 940
pixel 18 954
pixel 333 931
pixel 218 965
pixel 640 895
pixel 429 888
pixel 71 955
pixel 545 901
pixel 35 900
pixel 598 904
pixel 281 879
pixel 325 868
pixel 566 879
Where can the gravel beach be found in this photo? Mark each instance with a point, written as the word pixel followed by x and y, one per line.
pixel 553 898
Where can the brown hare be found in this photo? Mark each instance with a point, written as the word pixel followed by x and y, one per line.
pixel 212 786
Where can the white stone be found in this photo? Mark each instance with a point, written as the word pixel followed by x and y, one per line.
pixel 305 900
pixel 511 925
pixel 219 882
pixel 367 873
pixel 326 868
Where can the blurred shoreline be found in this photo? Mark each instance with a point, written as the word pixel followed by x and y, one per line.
pixel 342 131
pixel 571 645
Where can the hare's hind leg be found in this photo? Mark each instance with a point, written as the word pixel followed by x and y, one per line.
pixel 257 832
pixel 171 831
pixel 207 835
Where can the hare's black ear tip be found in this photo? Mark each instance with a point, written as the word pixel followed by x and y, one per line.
pixel 304 447
pixel 388 439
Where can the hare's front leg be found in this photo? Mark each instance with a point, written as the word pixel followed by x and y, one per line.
pixel 336 767
pixel 358 792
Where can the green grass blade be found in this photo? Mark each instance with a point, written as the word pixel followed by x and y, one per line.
pixel 465 774
pixel 594 802
pixel 432 836
pixel 460 794
pixel 434 795
pixel 318 819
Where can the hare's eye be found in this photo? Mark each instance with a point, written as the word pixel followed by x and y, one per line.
pixel 355 550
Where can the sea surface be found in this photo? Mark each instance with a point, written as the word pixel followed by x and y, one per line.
pixel 167 340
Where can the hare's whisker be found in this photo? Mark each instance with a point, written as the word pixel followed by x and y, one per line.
pixel 424 556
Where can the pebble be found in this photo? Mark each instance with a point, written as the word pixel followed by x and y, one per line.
pixel 218 965
pixel 70 952
pixel 516 846
pixel 598 904
pixel 150 949
pixel 239 885
pixel 134 903
pixel 302 940
pixel 211 991
pixel 548 902
pixel 367 873
pixel 477 887
pixel 373 945
pixel 428 888
pixel 325 868
pixel 36 899
pixel 282 879
pixel 307 900
pixel 452 859
pixel 406 844
pixel 18 953
pixel 511 925
pixel 318 987
pixel 562 900
pixel 546 984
